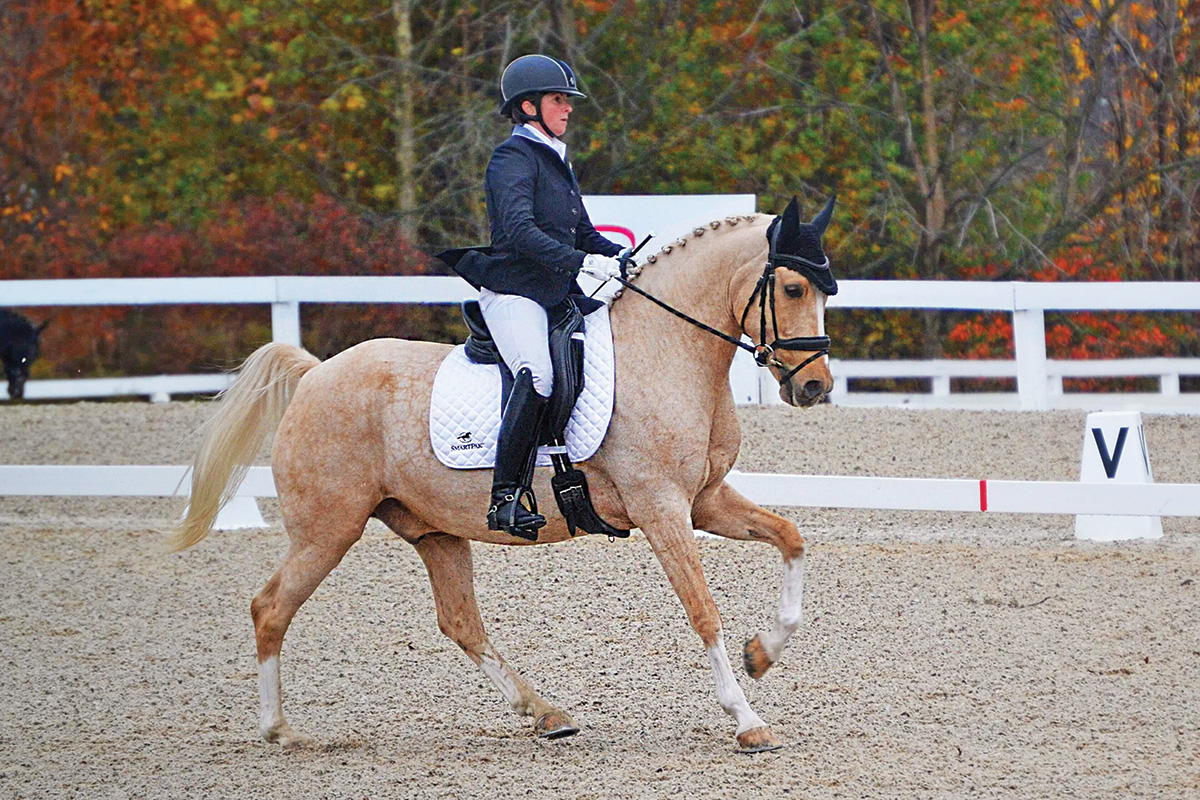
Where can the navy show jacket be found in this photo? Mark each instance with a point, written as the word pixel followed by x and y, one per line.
pixel 540 229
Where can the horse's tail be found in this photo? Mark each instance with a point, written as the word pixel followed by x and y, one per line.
pixel 246 412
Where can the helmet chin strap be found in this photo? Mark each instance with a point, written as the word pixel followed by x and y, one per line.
pixel 541 123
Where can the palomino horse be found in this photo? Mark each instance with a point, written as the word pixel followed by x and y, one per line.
pixel 353 443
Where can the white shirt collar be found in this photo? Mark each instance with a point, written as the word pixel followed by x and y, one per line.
pixel 557 145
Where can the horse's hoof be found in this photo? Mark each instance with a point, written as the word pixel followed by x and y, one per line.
pixel 555 725
pixel 757 740
pixel 288 737
pixel 755 658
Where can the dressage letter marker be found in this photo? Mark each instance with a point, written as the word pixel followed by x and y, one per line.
pixel 1108 459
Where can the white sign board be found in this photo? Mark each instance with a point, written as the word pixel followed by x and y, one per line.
pixel 627 219
pixel 1114 451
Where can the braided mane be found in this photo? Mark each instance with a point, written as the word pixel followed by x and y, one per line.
pixel 697 232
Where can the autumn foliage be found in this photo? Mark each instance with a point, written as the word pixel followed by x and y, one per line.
pixel 1054 140
pixel 253 237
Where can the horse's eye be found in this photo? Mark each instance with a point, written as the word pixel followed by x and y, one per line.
pixel 794 290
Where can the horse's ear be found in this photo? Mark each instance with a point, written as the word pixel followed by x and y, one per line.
pixel 43 326
pixel 821 220
pixel 789 222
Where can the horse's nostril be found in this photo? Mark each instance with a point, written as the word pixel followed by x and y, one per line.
pixel 814 388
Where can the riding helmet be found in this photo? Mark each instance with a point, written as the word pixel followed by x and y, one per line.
pixel 535 74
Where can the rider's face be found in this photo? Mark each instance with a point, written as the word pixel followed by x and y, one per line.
pixel 556 109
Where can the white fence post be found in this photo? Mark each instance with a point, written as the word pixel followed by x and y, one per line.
pixel 1029 341
pixel 285 322
pixel 743 379
pixel 1169 384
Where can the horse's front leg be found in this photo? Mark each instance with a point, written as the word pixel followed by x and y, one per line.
pixel 674 544
pixel 720 509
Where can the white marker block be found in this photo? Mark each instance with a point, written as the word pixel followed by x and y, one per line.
pixel 1114 451
pixel 239 512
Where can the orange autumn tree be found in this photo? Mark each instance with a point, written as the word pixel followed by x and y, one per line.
pixel 1127 180
pixel 130 156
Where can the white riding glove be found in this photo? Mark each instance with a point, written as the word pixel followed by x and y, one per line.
pixel 600 267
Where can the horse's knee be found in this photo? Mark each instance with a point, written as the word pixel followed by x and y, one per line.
pixel 789 541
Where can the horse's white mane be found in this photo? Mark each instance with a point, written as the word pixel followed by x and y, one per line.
pixel 682 241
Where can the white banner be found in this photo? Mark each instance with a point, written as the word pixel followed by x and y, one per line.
pixel 627 219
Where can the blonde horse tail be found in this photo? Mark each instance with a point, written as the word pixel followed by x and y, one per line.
pixel 229 441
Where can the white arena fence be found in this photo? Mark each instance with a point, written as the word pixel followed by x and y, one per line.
pixel 1039 380
pixel 802 491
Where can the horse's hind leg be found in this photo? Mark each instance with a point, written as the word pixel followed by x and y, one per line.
pixel 309 560
pixel 723 511
pixel 448 562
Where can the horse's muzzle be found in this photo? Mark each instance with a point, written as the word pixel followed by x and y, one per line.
pixel 808 394
pixel 16 390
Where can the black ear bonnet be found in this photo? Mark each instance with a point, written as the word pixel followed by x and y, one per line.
pixel 797 245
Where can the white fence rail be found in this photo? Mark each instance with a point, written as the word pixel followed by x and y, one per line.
pixel 797 491
pixel 1039 380
pixel 940 372
pixel 158 388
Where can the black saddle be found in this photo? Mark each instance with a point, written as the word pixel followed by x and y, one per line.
pixel 567 330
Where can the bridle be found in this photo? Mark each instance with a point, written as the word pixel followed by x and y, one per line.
pixel 764 292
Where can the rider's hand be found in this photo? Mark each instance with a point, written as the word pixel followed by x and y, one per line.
pixel 600 267
pixel 626 257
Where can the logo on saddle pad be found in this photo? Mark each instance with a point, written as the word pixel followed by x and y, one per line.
pixel 466 443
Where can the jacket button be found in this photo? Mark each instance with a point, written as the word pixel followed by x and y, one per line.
pixel 574 210
pixel 572 193
pixel 572 230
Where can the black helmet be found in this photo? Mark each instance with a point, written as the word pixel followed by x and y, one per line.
pixel 535 74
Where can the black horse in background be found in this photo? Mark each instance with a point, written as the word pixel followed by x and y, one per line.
pixel 18 349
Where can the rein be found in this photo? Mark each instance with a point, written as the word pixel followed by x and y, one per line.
pixel 764 291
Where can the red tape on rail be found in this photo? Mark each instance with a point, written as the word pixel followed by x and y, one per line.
pixel 983 495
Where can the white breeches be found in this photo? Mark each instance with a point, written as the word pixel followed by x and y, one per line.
pixel 520 328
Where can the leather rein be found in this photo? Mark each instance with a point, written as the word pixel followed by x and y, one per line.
pixel 764 292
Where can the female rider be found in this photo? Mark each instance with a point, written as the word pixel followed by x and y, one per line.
pixel 541 239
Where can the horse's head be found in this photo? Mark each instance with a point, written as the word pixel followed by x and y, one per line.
pixel 19 346
pixel 785 315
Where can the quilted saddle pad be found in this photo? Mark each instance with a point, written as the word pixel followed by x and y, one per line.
pixel 464 412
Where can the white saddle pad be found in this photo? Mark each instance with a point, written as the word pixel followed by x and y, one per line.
pixel 464 413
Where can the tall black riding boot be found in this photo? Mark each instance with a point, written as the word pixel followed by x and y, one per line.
pixel 515 451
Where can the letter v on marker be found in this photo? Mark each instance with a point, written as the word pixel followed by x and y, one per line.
pixel 1110 462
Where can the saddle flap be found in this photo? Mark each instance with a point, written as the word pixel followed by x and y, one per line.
pixel 566 354
pixel 566 340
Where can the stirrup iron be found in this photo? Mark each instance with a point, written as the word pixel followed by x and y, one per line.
pixel 510 515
